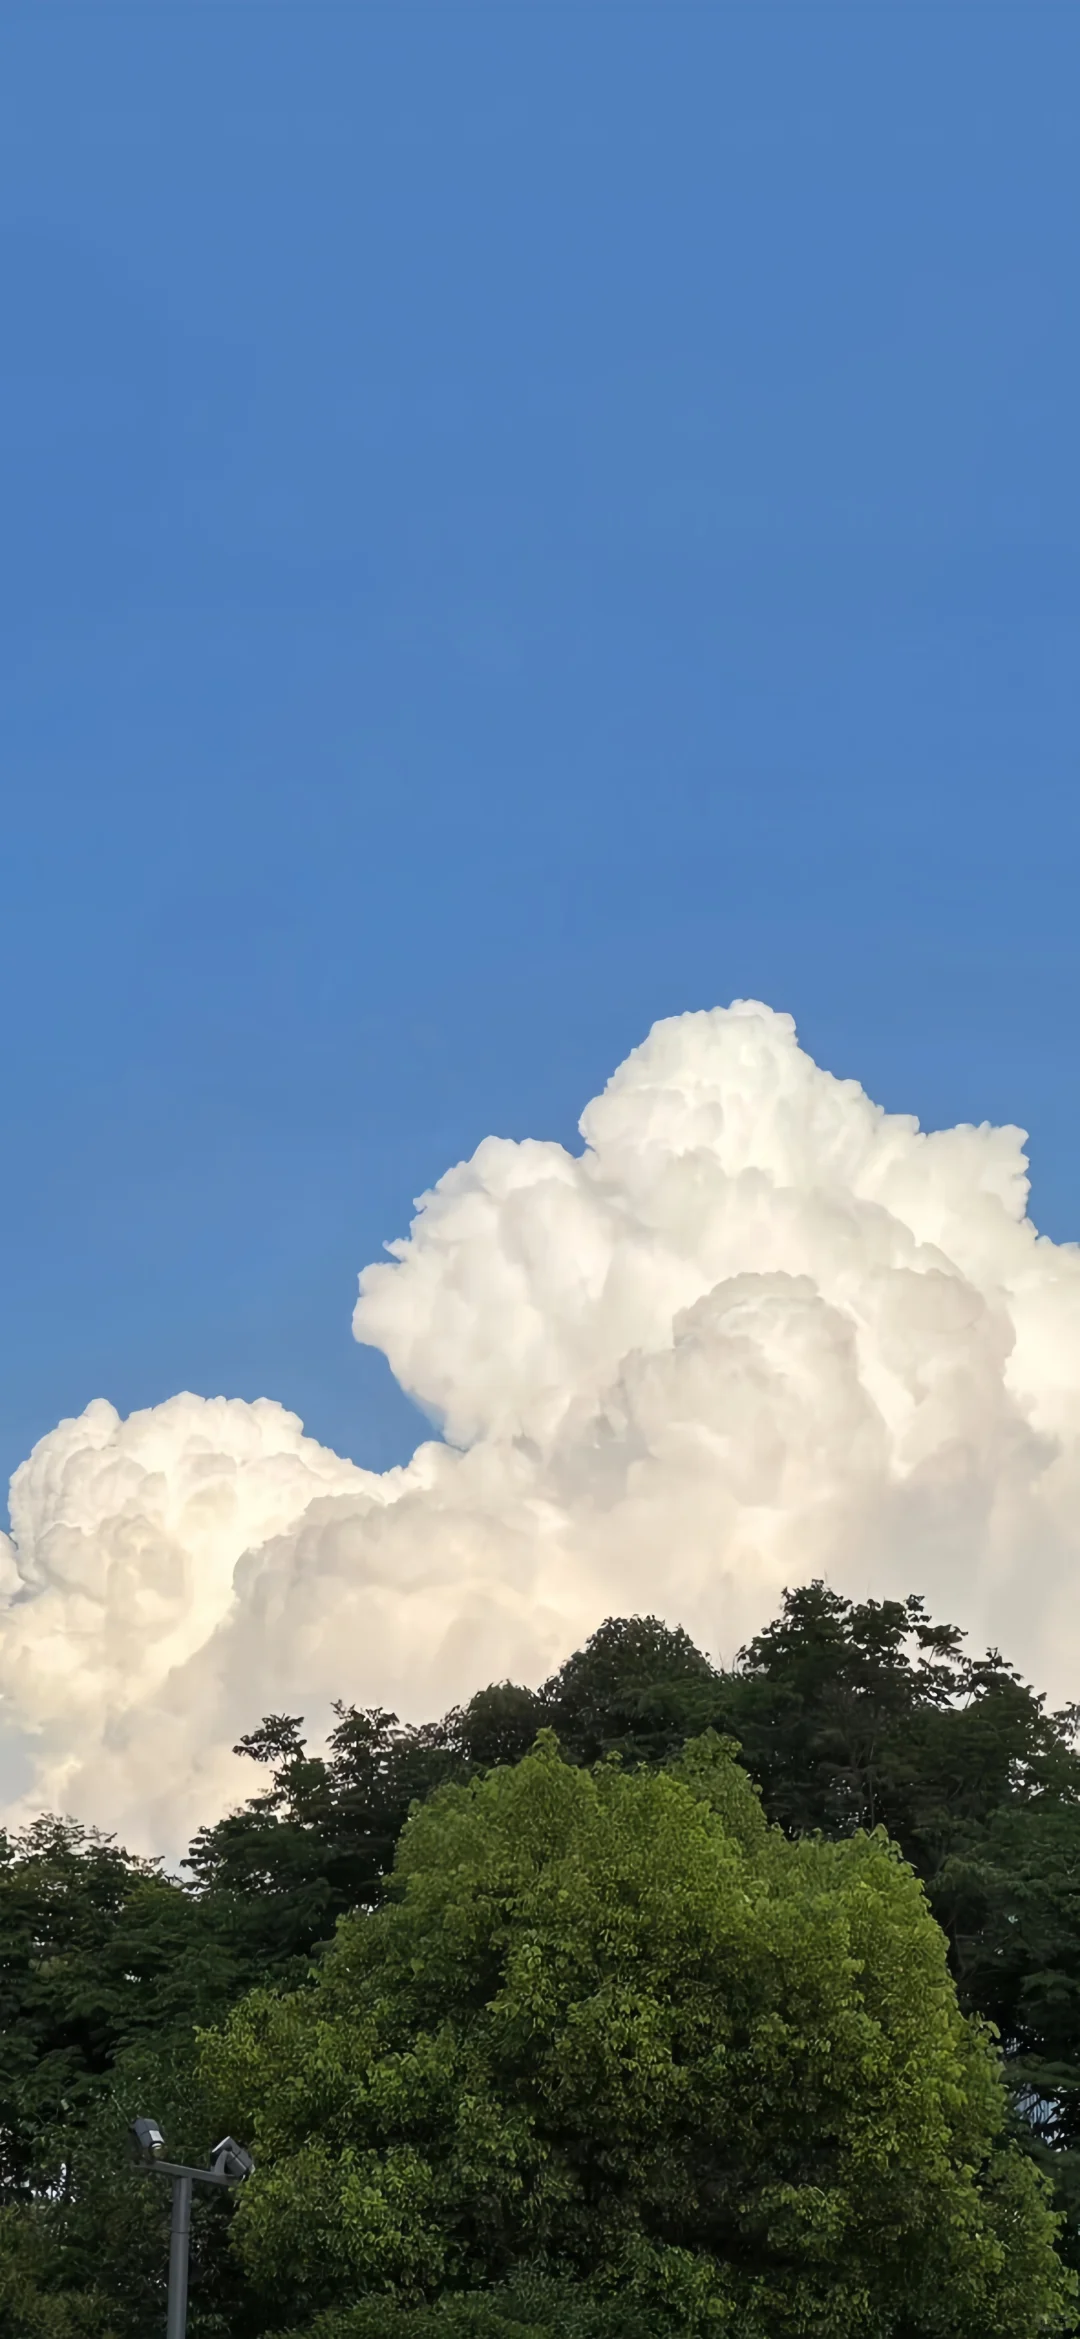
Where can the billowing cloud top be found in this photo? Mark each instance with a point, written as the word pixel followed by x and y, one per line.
pixel 757 1330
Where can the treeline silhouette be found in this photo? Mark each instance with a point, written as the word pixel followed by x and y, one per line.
pixel 847 1716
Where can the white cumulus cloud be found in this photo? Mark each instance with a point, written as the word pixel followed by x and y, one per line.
pixel 757 1330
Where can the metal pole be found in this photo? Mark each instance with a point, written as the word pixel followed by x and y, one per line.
pixel 178 2258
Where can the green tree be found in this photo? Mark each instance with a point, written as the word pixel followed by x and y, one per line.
pixel 31 2307
pixel 638 1688
pixel 106 1966
pixel 852 1713
pixel 98 1950
pixel 858 1713
pixel 614 2025
pixel 1014 1898
pixel 319 1840
pixel 530 2307
pixel 275 1875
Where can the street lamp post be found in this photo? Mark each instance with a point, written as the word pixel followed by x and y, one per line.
pixel 229 2165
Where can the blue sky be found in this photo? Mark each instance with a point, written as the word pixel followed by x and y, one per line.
pixel 517 520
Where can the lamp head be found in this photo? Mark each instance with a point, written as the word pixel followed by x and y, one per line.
pixel 232 2160
pixel 148 2139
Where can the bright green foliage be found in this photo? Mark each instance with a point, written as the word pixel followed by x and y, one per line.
pixel 615 2025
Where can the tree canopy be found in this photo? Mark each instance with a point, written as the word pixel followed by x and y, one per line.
pixel 847 1717
pixel 613 2024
